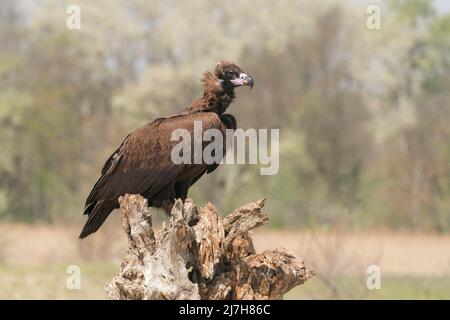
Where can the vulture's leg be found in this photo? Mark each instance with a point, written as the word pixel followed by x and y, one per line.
pixel 181 189
pixel 167 205
pixel 164 199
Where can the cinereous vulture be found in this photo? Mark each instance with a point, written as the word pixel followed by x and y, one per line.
pixel 142 164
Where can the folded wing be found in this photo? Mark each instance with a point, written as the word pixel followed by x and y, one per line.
pixel 143 165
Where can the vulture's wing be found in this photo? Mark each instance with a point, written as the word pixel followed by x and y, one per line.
pixel 141 165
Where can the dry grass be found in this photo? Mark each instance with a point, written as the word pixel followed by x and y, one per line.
pixel 33 259
pixel 395 253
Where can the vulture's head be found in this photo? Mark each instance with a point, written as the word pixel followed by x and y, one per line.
pixel 231 75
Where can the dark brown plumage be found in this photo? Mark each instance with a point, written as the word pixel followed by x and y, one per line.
pixel 142 164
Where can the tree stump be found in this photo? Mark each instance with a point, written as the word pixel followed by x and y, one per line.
pixel 198 255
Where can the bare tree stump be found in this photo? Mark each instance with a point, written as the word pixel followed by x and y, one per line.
pixel 200 256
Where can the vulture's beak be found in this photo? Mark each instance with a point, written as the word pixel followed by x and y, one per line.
pixel 243 80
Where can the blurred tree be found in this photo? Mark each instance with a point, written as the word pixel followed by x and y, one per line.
pixel 362 114
pixel 417 157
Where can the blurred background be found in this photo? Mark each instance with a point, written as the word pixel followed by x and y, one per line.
pixel 364 119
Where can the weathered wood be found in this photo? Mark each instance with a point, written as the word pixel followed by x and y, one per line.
pixel 198 255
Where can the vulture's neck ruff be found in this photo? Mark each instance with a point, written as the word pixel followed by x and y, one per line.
pixel 216 98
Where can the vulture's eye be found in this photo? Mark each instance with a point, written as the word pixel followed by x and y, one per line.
pixel 230 73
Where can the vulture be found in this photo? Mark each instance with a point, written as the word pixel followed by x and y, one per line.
pixel 142 164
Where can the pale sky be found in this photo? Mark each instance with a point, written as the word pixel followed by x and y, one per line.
pixel 443 6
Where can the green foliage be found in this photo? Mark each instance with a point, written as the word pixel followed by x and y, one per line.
pixel 363 115
pixel 392 287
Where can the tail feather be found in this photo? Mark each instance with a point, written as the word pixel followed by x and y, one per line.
pixel 97 216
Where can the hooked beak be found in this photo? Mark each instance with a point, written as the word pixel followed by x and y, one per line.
pixel 243 80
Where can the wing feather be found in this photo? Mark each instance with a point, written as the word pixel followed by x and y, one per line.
pixel 142 163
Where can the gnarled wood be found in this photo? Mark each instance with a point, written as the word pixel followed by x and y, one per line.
pixel 198 255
